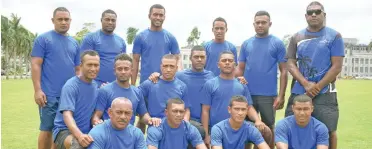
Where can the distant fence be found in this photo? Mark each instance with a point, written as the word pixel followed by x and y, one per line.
pixel 14 77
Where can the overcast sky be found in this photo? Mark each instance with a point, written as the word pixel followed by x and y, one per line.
pixel 352 18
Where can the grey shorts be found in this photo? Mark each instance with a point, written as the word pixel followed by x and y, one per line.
pixel 61 137
pixel 198 126
pixel 325 109
pixel 264 107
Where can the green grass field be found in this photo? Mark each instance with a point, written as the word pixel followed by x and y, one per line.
pixel 20 121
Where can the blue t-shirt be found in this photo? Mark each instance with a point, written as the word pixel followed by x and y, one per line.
pixel 213 50
pixel 217 93
pixel 107 137
pixel 315 133
pixel 165 137
pixel 223 135
pixel 152 46
pixel 109 92
pixel 158 94
pixel 108 47
pixel 313 52
pixel 194 82
pixel 261 57
pixel 79 97
pixel 60 56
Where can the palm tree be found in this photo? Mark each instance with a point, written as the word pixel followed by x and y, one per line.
pixel 131 34
pixel 194 37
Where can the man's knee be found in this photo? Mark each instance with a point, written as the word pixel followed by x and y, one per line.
pixel 267 135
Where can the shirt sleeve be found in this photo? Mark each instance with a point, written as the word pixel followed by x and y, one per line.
pixel 292 48
pixel 124 50
pixel 98 137
pixel 102 99
pixel 77 55
pixel 39 48
pixel 242 54
pixel 247 95
pixel 137 45
pixel 207 94
pixel 338 48
pixel 140 140
pixel 144 88
pixel 216 136
pixel 194 136
pixel 234 51
pixel 68 98
pixel 87 43
pixel 281 133
pixel 280 51
pixel 153 136
pixel 175 49
pixel 322 135
pixel 141 108
pixel 255 136
pixel 186 97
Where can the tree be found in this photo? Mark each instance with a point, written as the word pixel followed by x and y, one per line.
pixel 286 40
pixel 194 37
pixel 87 28
pixel 131 34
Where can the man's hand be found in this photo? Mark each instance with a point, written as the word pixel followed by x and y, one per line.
pixel 154 121
pixel 242 80
pixel 279 102
pixel 312 89
pixel 40 98
pixel 207 140
pixel 85 140
pixel 96 122
pixel 259 125
pixel 154 77
pixel 103 84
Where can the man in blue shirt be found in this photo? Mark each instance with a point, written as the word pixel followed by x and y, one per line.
pixel 235 132
pixel 118 132
pixel 318 51
pixel 174 132
pixel 259 58
pixel 151 44
pixel 121 88
pixel 78 99
pixel 107 44
pixel 301 130
pixel 167 87
pixel 55 59
pixel 216 93
pixel 217 45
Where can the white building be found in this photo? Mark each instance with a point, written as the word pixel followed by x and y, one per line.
pixel 357 61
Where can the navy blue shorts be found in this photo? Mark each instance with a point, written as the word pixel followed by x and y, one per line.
pixel 48 113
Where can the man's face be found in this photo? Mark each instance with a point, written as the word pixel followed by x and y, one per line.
pixel 315 16
pixel 302 111
pixel 238 111
pixel 262 24
pixel 226 63
pixel 61 21
pixel 198 60
pixel 219 29
pixel 168 68
pixel 123 70
pixel 90 66
pixel 175 113
pixel 120 115
pixel 108 22
pixel 157 17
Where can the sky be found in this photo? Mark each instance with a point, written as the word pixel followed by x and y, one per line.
pixel 353 19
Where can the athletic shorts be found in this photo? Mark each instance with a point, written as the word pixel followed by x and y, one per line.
pixel 264 107
pixel 48 113
pixel 325 109
pixel 61 137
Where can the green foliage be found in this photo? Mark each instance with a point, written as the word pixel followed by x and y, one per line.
pixel 131 34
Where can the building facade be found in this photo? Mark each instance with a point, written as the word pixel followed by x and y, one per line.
pixel 357 62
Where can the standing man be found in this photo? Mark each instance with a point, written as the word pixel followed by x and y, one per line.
pixel 78 98
pixel 301 130
pixel 121 88
pixel 118 132
pixel 218 90
pixel 55 59
pixel 152 44
pixel 259 58
pixel 174 132
pixel 235 132
pixel 319 51
pixel 107 44
pixel 217 45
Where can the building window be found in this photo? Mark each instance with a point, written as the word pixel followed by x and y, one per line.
pixel 367 61
pixel 345 60
pixel 370 69
pixel 185 57
pixel 356 60
pixel 366 69
pixel 361 70
pixel 189 65
pixel 356 69
pixel 345 68
pixel 184 65
pixel 362 61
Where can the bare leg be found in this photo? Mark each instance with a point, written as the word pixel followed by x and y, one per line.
pixel 45 140
pixel 333 140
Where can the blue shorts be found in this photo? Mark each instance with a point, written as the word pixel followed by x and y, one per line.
pixel 48 113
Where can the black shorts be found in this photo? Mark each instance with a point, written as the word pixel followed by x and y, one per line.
pixel 325 109
pixel 61 137
pixel 264 107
